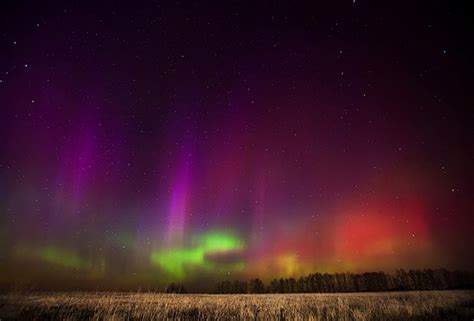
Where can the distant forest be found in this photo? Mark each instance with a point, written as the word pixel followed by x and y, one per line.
pixel 427 279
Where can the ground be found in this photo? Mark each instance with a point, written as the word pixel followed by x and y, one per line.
pixel 426 305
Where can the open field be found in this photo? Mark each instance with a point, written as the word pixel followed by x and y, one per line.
pixel 427 305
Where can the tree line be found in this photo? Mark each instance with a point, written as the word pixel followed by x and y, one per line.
pixel 426 279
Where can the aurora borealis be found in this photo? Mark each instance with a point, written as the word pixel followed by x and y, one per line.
pixel 147 143
pixel 209 247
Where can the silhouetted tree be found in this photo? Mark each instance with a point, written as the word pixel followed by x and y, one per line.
pixel 256 286
pixel 274 287
pixel 174 288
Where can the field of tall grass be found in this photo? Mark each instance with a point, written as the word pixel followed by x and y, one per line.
pixel 427 305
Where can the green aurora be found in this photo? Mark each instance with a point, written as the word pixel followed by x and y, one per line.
pixel 56 256
pixel 175 261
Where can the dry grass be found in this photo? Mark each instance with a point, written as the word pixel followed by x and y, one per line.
pixel 434 305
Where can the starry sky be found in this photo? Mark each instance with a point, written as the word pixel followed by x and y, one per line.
pixel 147 142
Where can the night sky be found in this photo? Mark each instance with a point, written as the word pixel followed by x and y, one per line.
pixel 154 142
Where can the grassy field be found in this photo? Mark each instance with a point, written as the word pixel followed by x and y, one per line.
pixel 427 305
